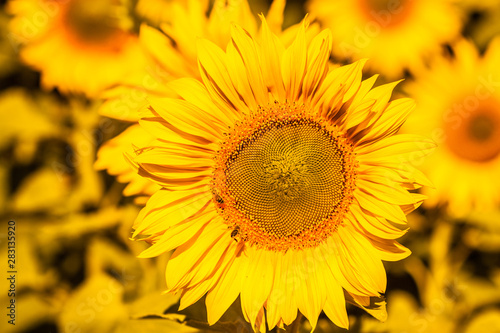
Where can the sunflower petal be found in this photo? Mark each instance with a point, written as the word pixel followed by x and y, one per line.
pixel 213 69
pixel 293 65
pixel 227 289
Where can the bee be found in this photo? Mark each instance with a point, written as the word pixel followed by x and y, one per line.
pixel 235 233
pixel 219 200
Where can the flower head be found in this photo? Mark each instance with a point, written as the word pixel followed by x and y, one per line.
pixel 79 46
pixel 282 181
pixel 459 107
pixel 394 35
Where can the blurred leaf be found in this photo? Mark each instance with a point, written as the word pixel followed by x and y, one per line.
pixel 96 306
pixel 488 220
pixel 487 321
pixel 31 310
pixel 482 240
pixel 34 275
pixel 154 304
pixel 43 190
pixel 484 234
pixel 104 256
pixel 73 226
pixel 478 292
pixel 23 122
pixel 406 316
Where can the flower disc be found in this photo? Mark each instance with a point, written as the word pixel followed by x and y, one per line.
pixel 284 178
pixel 477 137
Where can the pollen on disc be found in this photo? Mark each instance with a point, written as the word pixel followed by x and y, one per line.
pixel 287 177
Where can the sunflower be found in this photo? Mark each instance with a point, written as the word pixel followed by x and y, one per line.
pixel 395 35
pixel 459 107
pixel 172 55
pixel 283 181
pixel 79 46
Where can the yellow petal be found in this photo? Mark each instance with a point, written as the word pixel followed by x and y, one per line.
pixel 391 120
pixel 249 72
pixel 166 208
pixel 178 234
pixel 317 62
pixel 270 54
pixel 397 145
pixel 310 295
pixel 293 65
pixel 384 189
pixel 331 255
pixel 389 249
pixel 335 307
pixel 227 289
pixel 191 295
pixel 289 305
pixel 187 118
pixel 198 257
pixel 374 225
pixel 381 208
pixel 339 85
pixel 276 297
pixel 212 62
pixel 357 262
pixel 195 93
pixel 258 281
pixel 160 129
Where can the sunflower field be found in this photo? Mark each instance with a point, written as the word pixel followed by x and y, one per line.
pixel 250 166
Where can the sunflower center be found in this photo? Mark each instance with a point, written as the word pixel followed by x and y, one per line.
pixel 285 182
pixel 481 128
pixel 288 177
pixel 92 21
pixel 476 138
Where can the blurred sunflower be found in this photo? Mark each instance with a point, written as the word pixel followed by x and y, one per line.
pixel 459 107
pixel 283 181
pixel 79 46
pixel 173 55
pixel 395 35
pixel 155 12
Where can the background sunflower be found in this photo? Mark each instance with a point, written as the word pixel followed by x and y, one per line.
pixel 77 270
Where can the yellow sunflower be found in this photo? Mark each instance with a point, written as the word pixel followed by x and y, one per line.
pixel 395 35
pixel 172 55
pixel 79 46
pixel 283 181
pixel 458 101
